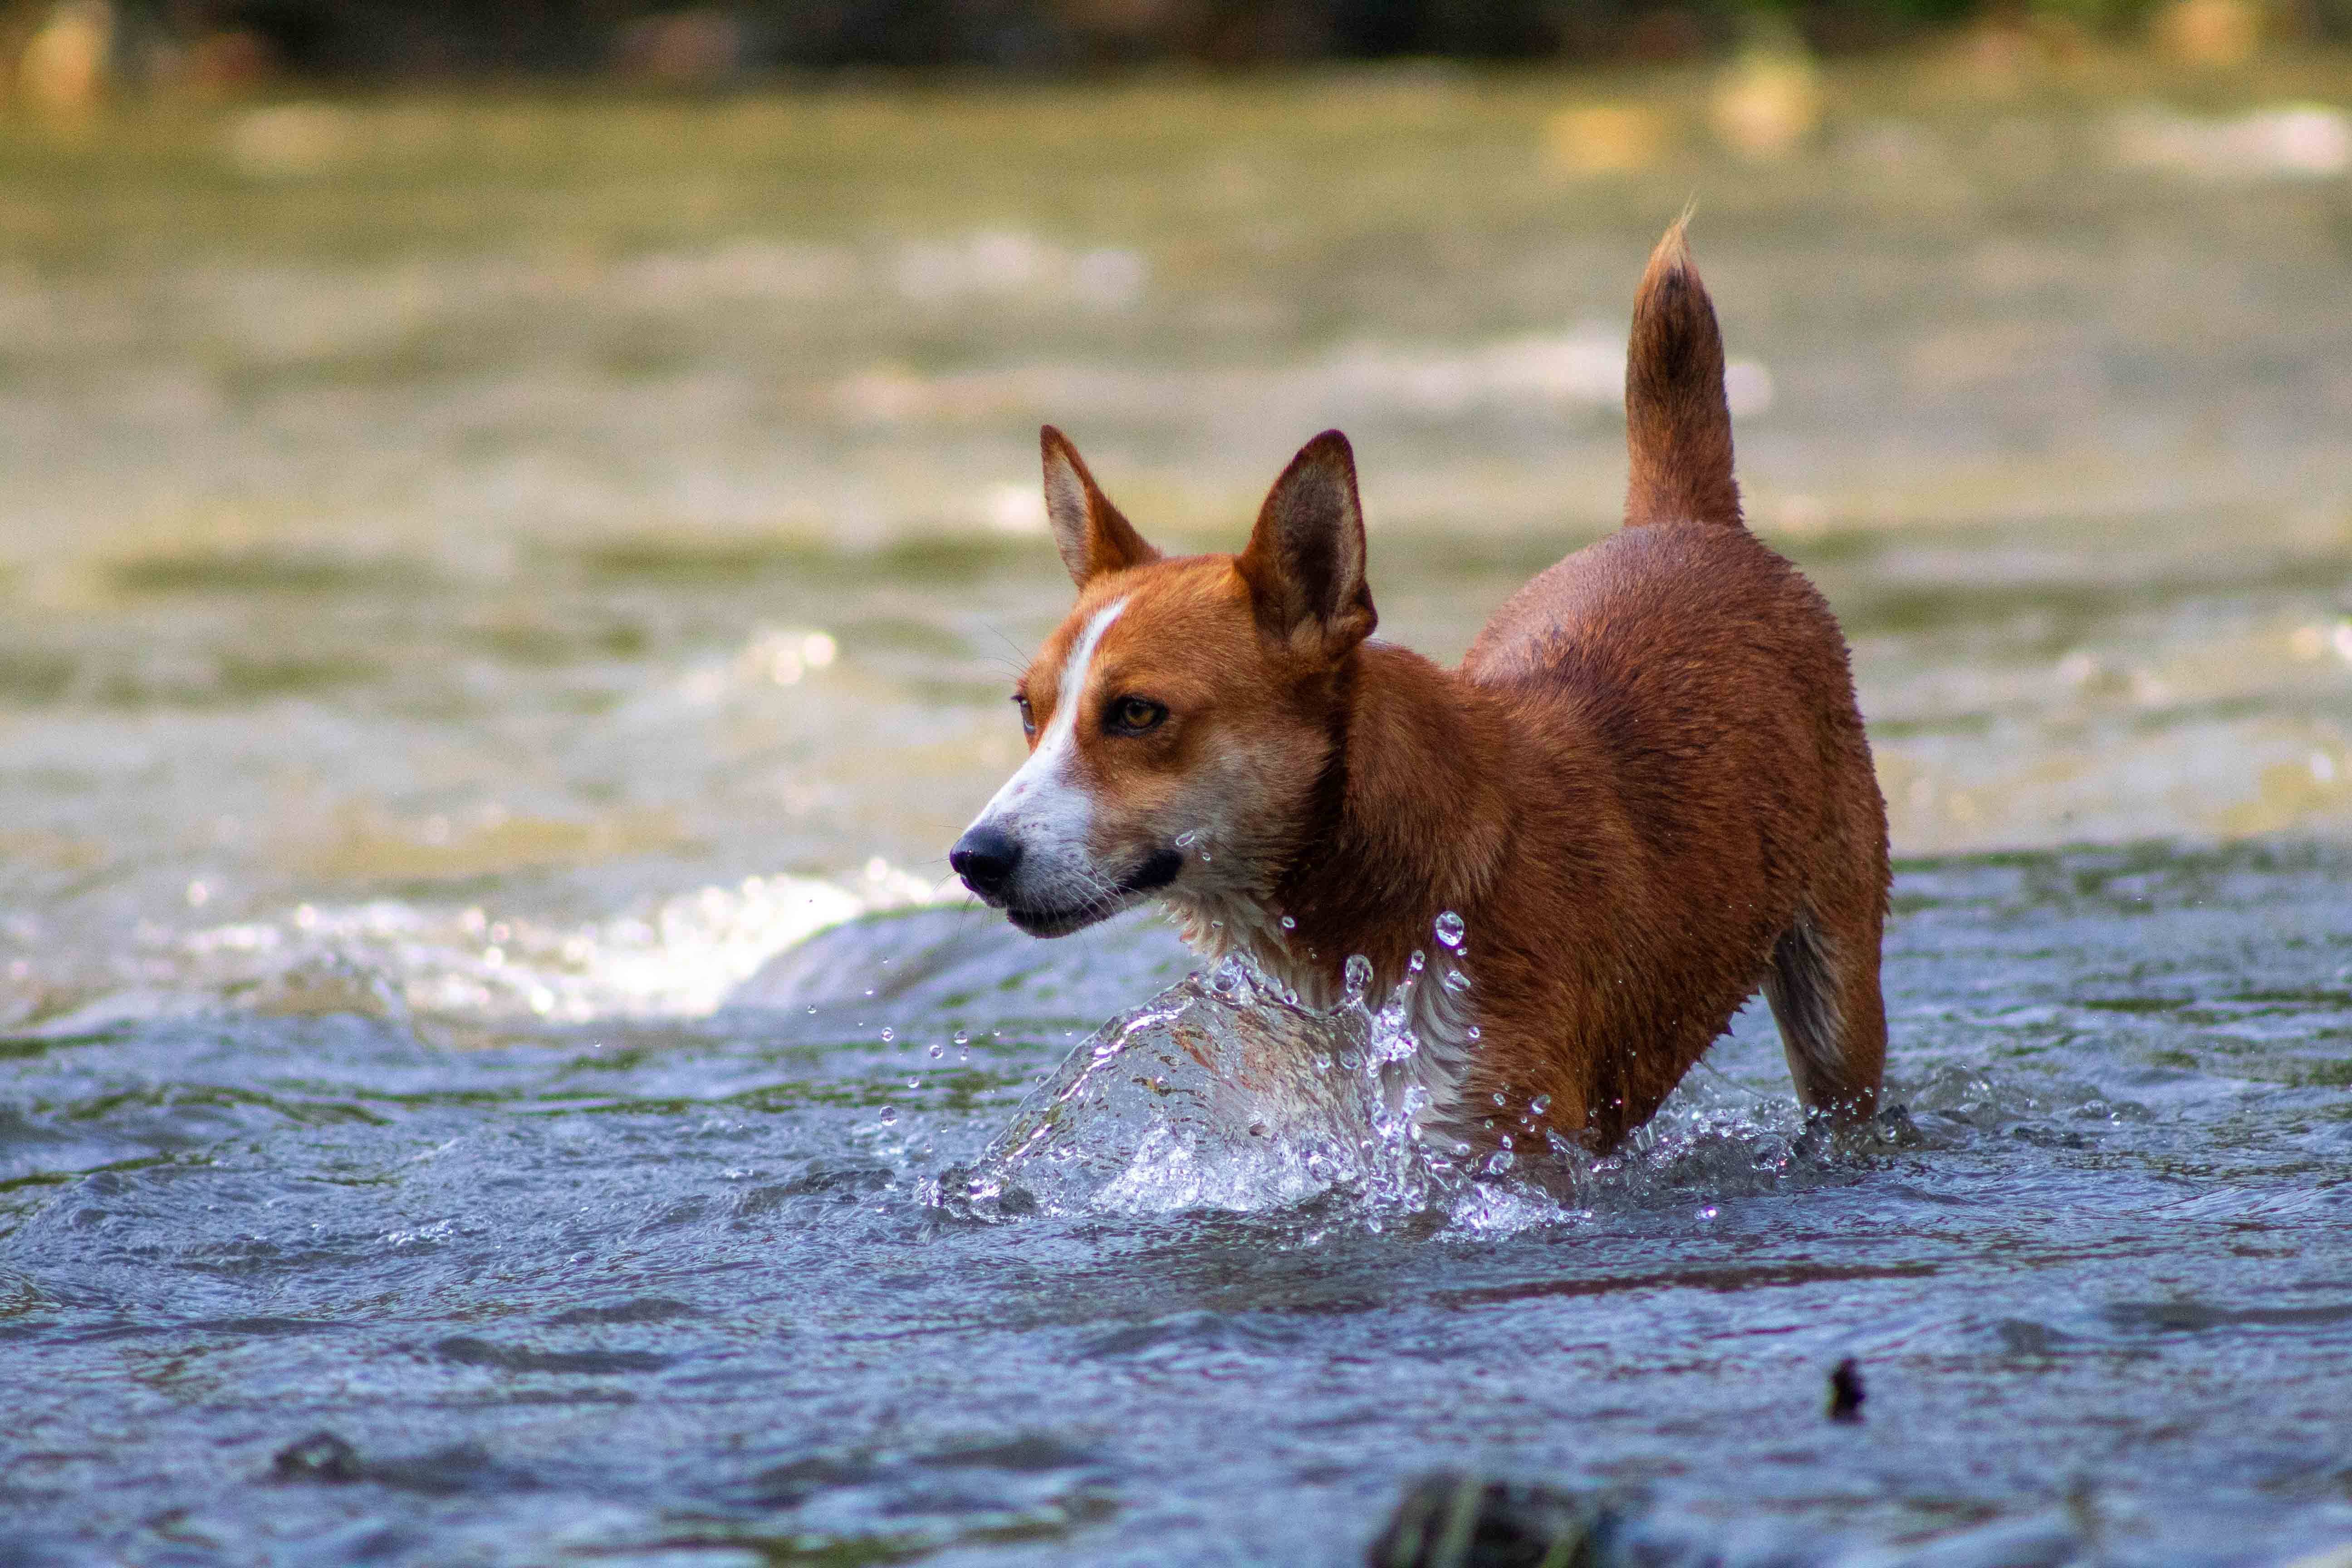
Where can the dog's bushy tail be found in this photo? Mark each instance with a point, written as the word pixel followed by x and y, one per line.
pixel 1677 424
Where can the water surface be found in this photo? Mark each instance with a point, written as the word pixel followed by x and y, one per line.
pixel 479 580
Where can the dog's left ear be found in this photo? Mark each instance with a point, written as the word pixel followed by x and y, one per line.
pixel 1305 563
pixel 1088 531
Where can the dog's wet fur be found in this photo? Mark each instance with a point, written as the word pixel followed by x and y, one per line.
pixel 1645 792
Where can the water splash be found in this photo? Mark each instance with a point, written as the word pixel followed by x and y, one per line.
pixel 1214 1094
pixel 1223 1093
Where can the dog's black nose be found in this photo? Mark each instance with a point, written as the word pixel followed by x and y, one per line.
pixel 984 857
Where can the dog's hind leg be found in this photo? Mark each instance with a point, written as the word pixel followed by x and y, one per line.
pixel 1823 988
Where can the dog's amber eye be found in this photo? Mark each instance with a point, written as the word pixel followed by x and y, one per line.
pixel 1135 715
pixel 1028 716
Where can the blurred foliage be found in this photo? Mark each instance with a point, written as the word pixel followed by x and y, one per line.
pixel 228 40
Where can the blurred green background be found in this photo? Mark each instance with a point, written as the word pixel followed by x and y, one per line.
pixel 211 41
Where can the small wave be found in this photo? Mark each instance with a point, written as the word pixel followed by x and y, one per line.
pixel 1581 369
pixel 401 961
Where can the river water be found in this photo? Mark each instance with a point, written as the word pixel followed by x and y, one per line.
pixel 491 586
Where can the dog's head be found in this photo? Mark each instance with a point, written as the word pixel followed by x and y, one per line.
pixel 1182 719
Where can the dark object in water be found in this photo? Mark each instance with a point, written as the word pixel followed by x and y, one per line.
pixel 321 1457
pixel 1451 1520
pixel 1846 1393
pixel 324 1459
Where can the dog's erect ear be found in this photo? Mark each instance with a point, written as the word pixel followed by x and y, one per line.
pixel 1305 563
pixel 1088 531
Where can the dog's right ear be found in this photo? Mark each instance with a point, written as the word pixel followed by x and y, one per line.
pixel 1088 531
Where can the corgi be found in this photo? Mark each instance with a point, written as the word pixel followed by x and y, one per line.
pixel 1645 793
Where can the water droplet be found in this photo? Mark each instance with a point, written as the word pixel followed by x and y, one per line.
pixel 938 1052
pixel 914 1083
pixel 1290 925
pixel 1506 1139
pixel 1357 976
pixel 1538 1105
pixel 1417 963
pixel 889 1115
pixel 1185 840
pixel 888 1036
pixel 1707 1212
pixel 1499 1097
pixel 1457 980
pixel 1473 1032
pixel 1449 929
pixel 962 1036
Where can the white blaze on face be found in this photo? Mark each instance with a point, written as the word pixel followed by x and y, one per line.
pixel 1044 806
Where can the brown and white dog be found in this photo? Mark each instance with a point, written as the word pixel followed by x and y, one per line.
pixel 1645 792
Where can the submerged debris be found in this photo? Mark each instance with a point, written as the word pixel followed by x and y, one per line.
pixel 321 1457
pixel 1452 1520
pixel 1846 1393
pixel 324 1459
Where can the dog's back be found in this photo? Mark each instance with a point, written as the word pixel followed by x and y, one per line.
pixel 1743 831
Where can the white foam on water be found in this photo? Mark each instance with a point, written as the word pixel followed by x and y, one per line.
pixel 678 958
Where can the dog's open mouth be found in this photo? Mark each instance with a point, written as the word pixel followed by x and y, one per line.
pixel 1157 871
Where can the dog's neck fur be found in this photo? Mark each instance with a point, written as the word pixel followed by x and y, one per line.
pixel 1411 819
